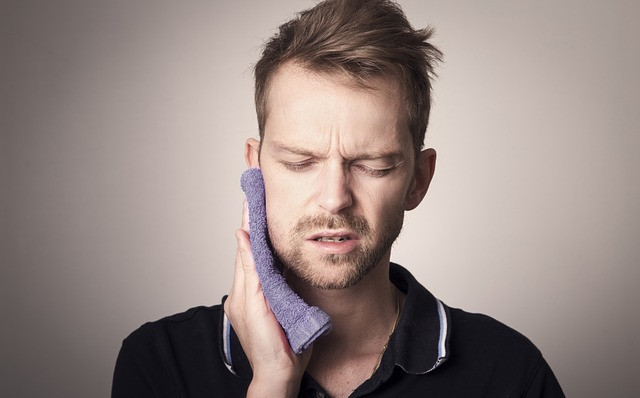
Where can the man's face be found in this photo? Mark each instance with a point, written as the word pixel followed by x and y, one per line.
pixel 338 165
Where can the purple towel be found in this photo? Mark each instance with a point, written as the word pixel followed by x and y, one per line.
pixel 301 323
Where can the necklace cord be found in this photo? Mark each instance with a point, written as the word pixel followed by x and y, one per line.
pixel 395 324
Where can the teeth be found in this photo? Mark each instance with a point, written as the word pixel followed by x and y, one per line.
pixel 332 239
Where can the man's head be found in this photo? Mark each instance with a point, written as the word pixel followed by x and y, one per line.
pixel 361 39
pixel 343 100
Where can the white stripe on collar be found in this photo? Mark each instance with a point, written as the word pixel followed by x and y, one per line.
pixel 442 339
pixel 226 343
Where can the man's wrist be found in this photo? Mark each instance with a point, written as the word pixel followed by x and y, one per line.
pixel 270 387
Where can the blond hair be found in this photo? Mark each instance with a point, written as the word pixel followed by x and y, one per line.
pixel 360 38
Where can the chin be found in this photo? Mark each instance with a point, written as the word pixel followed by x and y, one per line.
pixel 331 274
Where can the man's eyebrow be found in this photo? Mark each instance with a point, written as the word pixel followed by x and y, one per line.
pixel 395 155
pixel 281 147
pixel 392 155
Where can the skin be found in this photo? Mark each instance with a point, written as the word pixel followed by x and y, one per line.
pixel 331 151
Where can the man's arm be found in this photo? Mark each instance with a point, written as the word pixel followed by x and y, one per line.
pixel 277 371
pixel 139 371
pixel 543 383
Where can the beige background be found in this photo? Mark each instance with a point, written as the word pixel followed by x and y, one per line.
pixel 123 125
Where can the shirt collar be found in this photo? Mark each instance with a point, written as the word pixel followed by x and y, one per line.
pixel 419 344
pixel 230 348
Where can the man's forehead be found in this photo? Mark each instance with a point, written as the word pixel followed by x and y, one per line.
pixel 312 114
pixel 385 83
pixel 307 149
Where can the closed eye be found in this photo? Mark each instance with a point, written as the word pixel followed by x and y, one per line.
pixel 374 172
pixel 297 166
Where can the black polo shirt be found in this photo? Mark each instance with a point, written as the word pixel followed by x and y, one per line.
pixel 435 351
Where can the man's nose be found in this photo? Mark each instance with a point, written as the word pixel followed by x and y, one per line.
pixel 335 192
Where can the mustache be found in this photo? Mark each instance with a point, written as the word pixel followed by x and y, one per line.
pixel 352 222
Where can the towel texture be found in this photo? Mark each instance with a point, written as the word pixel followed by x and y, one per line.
pixel 302 323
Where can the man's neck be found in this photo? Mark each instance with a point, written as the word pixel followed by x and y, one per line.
pixel 363 317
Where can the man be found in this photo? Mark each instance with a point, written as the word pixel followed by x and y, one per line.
pixel 343 98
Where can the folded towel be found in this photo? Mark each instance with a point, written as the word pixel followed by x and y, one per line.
pixel 302 323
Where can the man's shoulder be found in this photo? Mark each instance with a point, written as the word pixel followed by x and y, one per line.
pixel 188 323
pixel 497 355
pixel 493 357
pixel 486 335
pixel 192 315
pixel 176 354
pixel 485 325
pixel 463 331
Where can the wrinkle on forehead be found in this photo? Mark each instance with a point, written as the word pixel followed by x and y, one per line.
pixel 332 113
pixel 394 156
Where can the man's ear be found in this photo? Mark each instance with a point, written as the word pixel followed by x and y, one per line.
pixel 252 153
pixel 425 167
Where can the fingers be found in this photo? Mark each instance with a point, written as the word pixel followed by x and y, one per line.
pixel 237 286
pixel 251 282
pixel 245 289
pixel 245 216
pixel 244 251
pixel 243 262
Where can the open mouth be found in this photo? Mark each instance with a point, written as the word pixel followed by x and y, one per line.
pixel 334 242
pixel 332 239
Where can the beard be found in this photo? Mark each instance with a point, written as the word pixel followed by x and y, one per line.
pixel 338 271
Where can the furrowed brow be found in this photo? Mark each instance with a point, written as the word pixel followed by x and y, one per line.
pixel 281 147
pixel 394 156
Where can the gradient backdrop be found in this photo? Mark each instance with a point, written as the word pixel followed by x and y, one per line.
pixel 123 125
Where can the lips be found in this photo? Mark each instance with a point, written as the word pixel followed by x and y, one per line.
pixel 334 241
pixel 331 239
pixel 333 236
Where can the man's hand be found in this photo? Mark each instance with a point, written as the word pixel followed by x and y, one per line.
pixel 277 371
